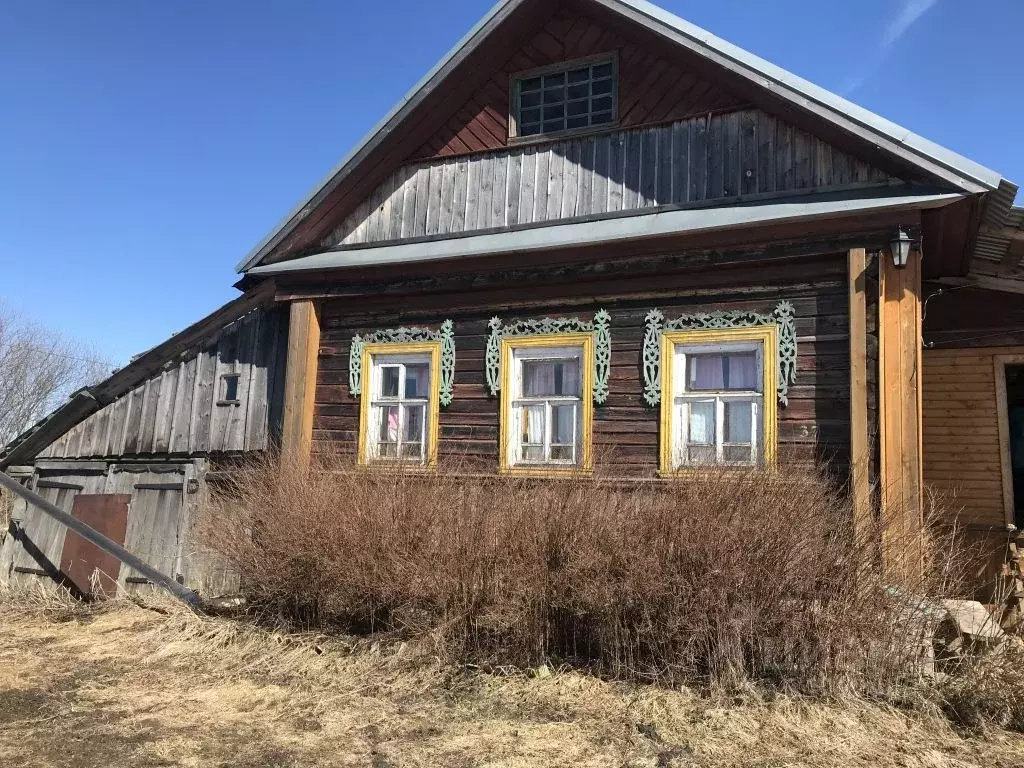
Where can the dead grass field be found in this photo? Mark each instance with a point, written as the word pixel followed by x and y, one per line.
pixel 125 685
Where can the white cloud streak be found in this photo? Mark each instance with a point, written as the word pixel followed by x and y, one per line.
pixel 910 12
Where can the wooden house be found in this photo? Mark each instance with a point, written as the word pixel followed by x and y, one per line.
pixel 595 239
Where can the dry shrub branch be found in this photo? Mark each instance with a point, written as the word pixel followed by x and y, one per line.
pixel 719 580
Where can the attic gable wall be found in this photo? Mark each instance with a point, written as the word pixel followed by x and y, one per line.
pixel 721 159
pixel 651 89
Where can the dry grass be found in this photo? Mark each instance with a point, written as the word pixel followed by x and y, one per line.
pixel 121 685
pixel 730 579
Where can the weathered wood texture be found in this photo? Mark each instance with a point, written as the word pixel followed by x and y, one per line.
pixel 300 380
pixel 722 157
pixel 961 431
pixel 179 411
pixel 860 444
pixel 814 427
pixel 651 89
pixel 900 394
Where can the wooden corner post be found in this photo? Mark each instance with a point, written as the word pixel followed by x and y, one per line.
pixel 900 471
pixel 300 381
pixel 860 447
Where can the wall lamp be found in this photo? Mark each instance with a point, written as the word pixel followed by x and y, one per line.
pixel 899 248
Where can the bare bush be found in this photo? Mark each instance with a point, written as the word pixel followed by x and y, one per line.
pixel 723 579
pixel 38 369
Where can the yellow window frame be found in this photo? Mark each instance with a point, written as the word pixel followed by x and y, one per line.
pixel 768 336
pixel 508 347
pixel 431 348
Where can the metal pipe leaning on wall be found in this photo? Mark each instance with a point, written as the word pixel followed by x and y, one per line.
pixel 109 546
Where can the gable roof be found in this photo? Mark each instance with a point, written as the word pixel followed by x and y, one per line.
pixel 933 161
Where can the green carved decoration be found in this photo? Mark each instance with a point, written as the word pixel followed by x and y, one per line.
pixel 445 334
pixel 783 316
pixel 600 327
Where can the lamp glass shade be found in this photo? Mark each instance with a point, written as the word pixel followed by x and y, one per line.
pixel 900 248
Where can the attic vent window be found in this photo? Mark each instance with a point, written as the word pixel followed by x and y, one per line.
pixel 570 97
pixel 229 389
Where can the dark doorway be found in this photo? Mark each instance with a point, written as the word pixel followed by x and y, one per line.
pixel 1015 412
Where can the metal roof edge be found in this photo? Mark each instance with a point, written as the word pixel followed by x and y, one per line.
pixel 638 227
pixel 464 46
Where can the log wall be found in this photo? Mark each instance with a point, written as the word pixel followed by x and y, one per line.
pixel 814 427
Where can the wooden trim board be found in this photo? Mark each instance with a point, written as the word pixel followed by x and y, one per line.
pixel 300 380
pixel 860 451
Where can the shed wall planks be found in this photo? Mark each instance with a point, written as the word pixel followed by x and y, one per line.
pixel 733 156
pixel 177 411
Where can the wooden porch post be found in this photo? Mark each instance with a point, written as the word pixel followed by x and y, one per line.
pixel 300 381
pixel 860 449
pixel 900 477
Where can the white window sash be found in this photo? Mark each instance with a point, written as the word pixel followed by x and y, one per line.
pixel 516 447
pixel 378 403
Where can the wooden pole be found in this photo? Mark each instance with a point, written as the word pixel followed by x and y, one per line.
pixel 300 382
pixel 860 450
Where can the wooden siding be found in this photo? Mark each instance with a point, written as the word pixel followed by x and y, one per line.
pixel 741 155
pixel 651 89
pixel 962 459
pixel 814 427
pixel 177 411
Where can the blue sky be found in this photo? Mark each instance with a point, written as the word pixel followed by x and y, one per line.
pixel 147 146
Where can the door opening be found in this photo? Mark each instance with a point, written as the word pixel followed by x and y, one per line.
pixel 1015 413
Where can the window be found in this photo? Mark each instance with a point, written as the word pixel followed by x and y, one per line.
pixel 229 389
pixel 718 397
pixel 547 405
pixel 400 405
pixel 574 96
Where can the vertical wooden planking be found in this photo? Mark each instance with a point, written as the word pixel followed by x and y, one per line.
pixel 631 173
pixel 527 186
pixel 540 192
pixel 514 186
pixel 783 156
pixel 202 401
pixel 423 196
pixel 376 221
pixel 698 158
pixel 148 426
pixel 681 161
pixel 749 168
pixel 435 177
pixel 484 192
pixel 409 202
pixel 602 172
pixel 133 428
pixel 666 174
pixel 444 220
pixel 803 170
pixel 585 183
pixel 300 381
pixel 765 152
pixel 570 179
pixel 616 171
pixel 165 409
pixel 115 435
pixel 717 152
pixel 263 354
pixel 499 190
pixel 226 420
pixel 397 203
pixel 860 452
pixel 649 168
pixel 182 418
pixel 556 166
pixel 459 194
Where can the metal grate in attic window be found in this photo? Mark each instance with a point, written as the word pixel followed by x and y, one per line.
pixel 571 97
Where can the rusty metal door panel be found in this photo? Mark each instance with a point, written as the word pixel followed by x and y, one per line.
pixel 108 514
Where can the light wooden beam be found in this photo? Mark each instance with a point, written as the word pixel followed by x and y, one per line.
pixel 300 381
pixel 860 449
pixel 899 391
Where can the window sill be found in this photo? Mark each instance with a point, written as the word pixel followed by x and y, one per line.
pixel 548 471
pixel 540 138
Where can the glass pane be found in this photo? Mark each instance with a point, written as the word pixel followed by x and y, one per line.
pixel 387 450
pixel 529 116
pixel 737 453
pixel 577 108
pixel 389 378
pixel 563 427
pixel 412 451
pixel 554 95
pixel 532 425
pixel 529 130
pixel 542 378
pixel 554 125
pixel 579 91
pixel 417 380
pixel 529 100
pixel 601 87
pixel 602 70
pixel 700 454
pixel 388 424
pixel 532 84
pixel 556 79
pixel 600 117
pixel 739 419
pixel 577 122
pixel 702 424
pixel 414 420
pixel 705 372
pixel 601 103
pixel 561 453
pixel 579 75
pixel 555 112
pixel 741 371
pixel 533 453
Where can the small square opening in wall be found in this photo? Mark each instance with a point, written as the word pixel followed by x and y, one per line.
pixel 229 389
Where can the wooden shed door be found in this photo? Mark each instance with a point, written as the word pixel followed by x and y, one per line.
pixel 108 514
